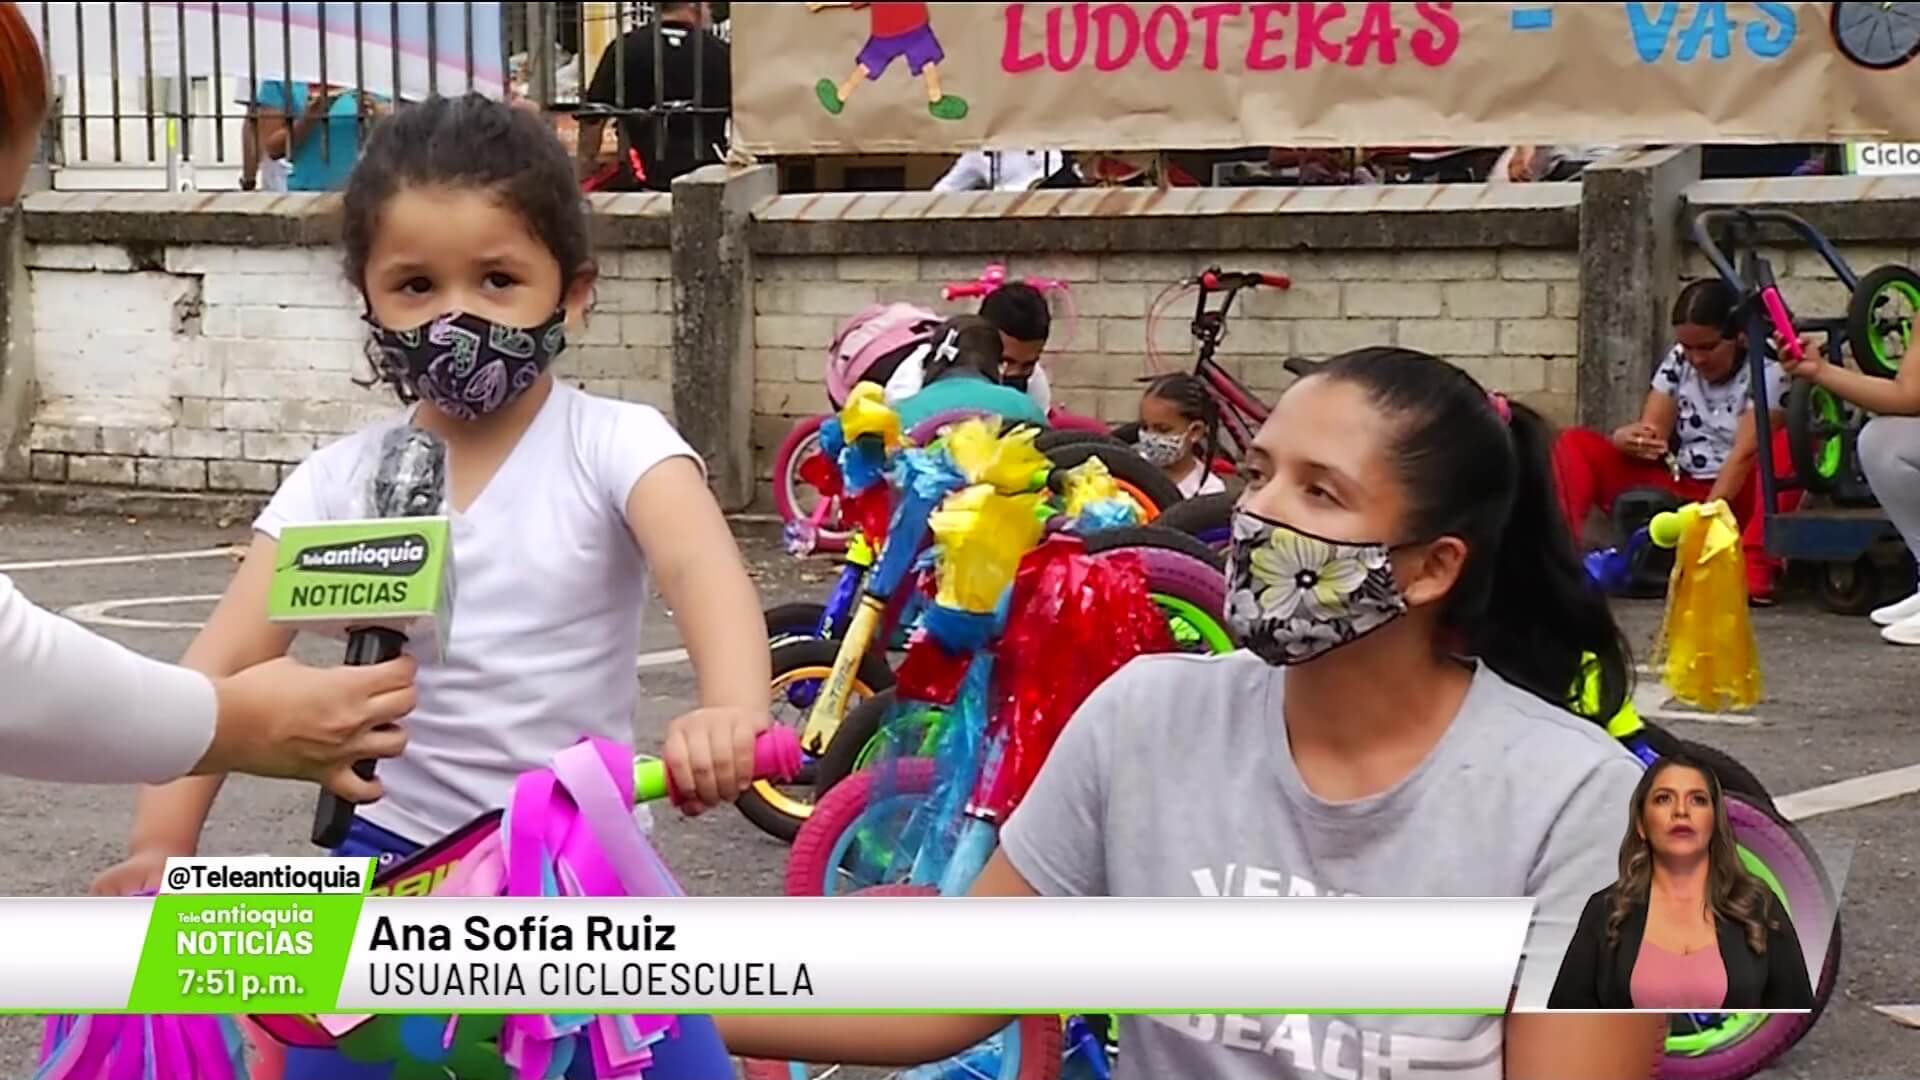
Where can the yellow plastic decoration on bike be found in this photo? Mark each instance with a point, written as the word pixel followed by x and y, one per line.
pixel 867 413
pixel 1088 483
pixel 1587 701
pixel 1009 463
pixel 1706 648
pixel 982 536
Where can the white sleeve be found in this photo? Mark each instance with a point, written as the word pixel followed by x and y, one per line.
pixel 83 709
pixel 623 442
pixel 1039 389
pixel 329 486
pixel 908 377
pixel 970 173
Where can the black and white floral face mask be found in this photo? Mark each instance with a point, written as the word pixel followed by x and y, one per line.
pixel 1293 596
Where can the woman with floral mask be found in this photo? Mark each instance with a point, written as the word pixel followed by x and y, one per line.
pixel 1179 431
pixel 1398 726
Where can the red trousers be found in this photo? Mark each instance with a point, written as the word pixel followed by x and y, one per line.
pixel 1590 472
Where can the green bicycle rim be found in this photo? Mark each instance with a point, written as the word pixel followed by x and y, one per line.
pixel 1206 626
pixel 1832 452
pixel 1742 1024
pixel 1880 342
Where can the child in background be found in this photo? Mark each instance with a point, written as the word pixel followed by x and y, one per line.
pixel 467 239
pixel 1179 432
pixel 963 373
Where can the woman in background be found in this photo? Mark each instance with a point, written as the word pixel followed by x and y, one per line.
pixel 1686 928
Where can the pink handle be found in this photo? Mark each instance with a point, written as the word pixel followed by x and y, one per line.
pixel 1782 322
pixel 959 292
pixel 776 756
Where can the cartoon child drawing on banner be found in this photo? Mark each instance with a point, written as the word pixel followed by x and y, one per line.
pixel 900 31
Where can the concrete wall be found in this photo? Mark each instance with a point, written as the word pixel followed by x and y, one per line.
pixel 203 344
pixel 202 351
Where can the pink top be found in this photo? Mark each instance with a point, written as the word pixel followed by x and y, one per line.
pixel 1670 982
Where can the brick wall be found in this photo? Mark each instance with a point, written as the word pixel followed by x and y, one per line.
pixel 1502 299
pixel 204 343
pixel 217 367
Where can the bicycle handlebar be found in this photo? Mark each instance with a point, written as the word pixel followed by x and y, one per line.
pixel 1219 279
pixel 990 281
pixel 776 756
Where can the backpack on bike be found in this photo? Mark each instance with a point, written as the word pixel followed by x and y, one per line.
pixel 869 346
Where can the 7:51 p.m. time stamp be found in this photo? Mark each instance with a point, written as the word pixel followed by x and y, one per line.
pixel 225 982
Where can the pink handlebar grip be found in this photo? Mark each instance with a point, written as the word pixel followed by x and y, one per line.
pixel 1782 322
pixel 959 292
pixel 776 756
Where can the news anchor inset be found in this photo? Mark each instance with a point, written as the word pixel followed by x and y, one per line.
pixel 1686 928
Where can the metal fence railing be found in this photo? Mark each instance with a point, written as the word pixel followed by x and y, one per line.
pixel 165 94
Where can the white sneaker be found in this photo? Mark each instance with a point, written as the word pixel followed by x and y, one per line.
pixel 1904 632
pixel 1893 613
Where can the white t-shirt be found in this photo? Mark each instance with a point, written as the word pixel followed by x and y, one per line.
pixel 549 589
pixel 1201 481
pixel 1707 415
pixel 910 377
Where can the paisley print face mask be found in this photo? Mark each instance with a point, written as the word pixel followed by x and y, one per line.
pixel 465 365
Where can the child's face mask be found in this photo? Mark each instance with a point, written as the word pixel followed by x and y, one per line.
pixel 464 365
pixel 1162 449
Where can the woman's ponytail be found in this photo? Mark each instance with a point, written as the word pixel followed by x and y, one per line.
pixel 1479 467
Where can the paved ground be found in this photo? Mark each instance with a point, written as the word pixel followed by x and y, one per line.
pixel 1839 707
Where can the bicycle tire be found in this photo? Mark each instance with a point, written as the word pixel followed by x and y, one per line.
pixel 1058 437
pixel 794 622
pixel 1862 334
pixel 1206 518
pixel 1126 466
pixel 830 538
pixel 1734 777
pixel 1820 462
pixel 1041 1045
pixel 1156 537
pixel 1786 855
pixel 823 837
pixel 771 810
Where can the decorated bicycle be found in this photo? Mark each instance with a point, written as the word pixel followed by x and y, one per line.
pixel 981 699
pixel 830 660
pixel 568 831
pixel 884 344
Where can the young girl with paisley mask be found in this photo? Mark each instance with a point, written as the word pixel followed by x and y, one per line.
pixel 467 238
pixel 1398 725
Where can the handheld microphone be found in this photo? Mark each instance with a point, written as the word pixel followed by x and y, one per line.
pixel 383 579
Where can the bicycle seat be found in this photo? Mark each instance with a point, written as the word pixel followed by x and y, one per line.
pixel 1300 365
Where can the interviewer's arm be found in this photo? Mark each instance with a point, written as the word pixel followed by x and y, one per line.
pixel 81 708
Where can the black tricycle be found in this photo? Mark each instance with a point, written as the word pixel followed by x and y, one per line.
pixel 1839 526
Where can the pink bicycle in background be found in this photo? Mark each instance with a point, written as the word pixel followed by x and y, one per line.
pixel 870 347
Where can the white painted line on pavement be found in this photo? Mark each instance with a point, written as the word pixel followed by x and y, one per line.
pixel 99 612
pixel 1849 794
pixel 1904 1015
pixel 117 560
pixel 1650 700
pixel 661 658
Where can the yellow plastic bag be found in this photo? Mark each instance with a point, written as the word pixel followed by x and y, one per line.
pixel 982 536
pixel 1088 483
pixel 1008 463
pixel 867 413
pixel 1706 649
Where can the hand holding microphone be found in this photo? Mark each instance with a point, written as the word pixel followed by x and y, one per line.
pixel 381 581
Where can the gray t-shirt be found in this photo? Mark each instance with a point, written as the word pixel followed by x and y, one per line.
pixel 1176 779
